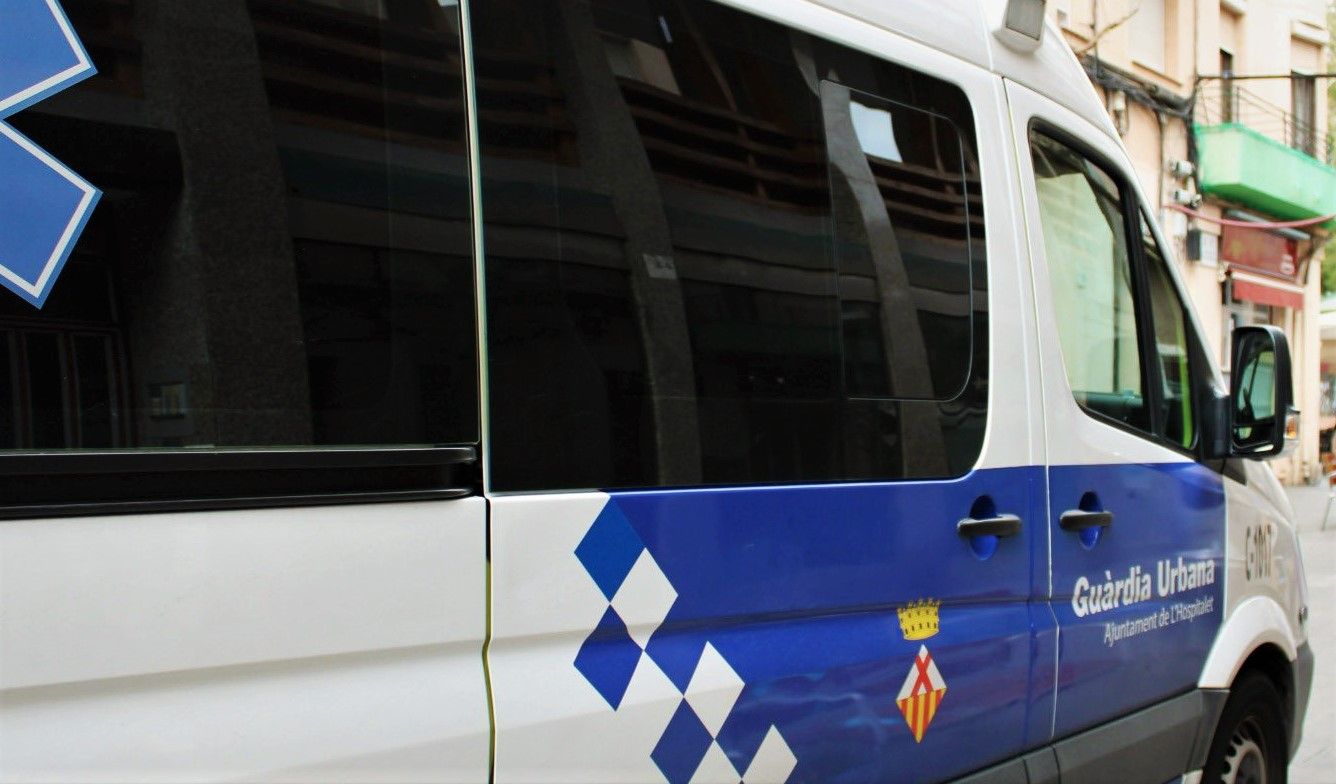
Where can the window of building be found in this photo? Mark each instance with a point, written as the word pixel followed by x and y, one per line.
pixel 1147 33
pixel 1090 271
pixel 1073 15
pixel 1230 30
pixel 281 258
pixel 1303 126
pixel 1062 12
pixel 1231 62
pixel 709 240
pixel 1227 98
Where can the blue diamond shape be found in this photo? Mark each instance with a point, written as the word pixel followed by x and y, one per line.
pixel 609 549
pixel 39 54
pixel 608 658
pixel 676 650
pixel 43 205
pixel 682 747
pixel 43 208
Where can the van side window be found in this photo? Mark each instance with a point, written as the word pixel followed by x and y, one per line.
pixel 280 258
pixel 720 251
pixel 1173 351
pixel 1090 272
pixel 280 266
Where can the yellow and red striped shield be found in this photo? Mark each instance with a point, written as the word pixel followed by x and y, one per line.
pixel 922 693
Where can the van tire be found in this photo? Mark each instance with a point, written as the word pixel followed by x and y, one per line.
pixel 1249 744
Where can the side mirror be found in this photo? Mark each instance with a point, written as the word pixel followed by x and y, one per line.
pixel 1261 393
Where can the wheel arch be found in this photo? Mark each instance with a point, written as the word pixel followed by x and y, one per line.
pixel 1256 638
pixel 1257 625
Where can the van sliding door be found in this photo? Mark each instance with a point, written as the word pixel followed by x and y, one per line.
pixel 755 514
pixel 1137 520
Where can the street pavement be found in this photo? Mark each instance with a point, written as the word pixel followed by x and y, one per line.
pixel 1316 761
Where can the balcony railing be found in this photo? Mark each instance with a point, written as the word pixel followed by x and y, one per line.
pixel 1225 101
pixel 1253 153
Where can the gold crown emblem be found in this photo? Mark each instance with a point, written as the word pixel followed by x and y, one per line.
pixel 918 620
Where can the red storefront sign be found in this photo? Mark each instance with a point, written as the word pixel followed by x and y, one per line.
pixel 1260 251
pixel 1269 256
pixel 1262 294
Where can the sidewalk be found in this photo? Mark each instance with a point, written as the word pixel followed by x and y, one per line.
pixel 1316 761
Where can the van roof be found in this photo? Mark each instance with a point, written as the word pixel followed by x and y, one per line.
pixel 964 28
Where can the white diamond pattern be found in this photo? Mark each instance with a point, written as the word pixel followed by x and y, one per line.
pixel 713 689
pixel 716 768
pixel 649 686
pixel 774 761
pixel 643 602
pixel 644 599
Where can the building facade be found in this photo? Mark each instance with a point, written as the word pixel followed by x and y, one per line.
pixel 1222 106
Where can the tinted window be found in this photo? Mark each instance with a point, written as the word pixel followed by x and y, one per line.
pixel 722 251
pixel 1090 272
pixel 901 211
pixel 281 254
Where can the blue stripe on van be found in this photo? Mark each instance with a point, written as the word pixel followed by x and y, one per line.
pixel 796 590
pixel 1169 524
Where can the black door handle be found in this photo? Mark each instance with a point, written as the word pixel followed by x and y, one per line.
pixel 1080 520
pixel 1002 525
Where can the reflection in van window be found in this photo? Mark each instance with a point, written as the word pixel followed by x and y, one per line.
pixel 1258 382
pixel 1089 269
pixel 902 246
pixel 875 129
pixel 666 302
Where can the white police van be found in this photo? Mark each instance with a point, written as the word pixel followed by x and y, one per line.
pixel 614 390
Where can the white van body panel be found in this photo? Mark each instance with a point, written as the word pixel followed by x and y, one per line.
pixel 335 643
pixel 1263 560
pixel 953 26
pixel 1257 621
pixel 550 722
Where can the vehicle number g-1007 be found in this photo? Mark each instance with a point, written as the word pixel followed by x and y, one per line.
pixel 1259 541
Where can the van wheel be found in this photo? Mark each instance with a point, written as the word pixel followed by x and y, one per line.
pixel 1249 743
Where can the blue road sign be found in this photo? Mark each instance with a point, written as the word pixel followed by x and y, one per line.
pixel 43 205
